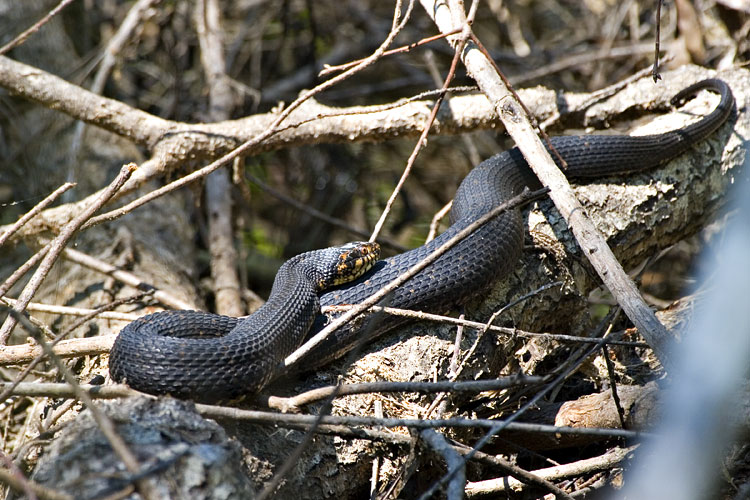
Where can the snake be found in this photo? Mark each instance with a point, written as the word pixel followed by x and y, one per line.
pixel 231 361
pixel 224 357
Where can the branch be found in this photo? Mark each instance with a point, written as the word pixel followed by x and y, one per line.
pixel 34 28
pixel 218 191
pixel 24 353
pixel 293 403
pixel 73 311
pixel 176 144
pixel 312 124
pixel 284 420
pixel 602 462
pixel 455 489
pixel 518 125
pixel 65 391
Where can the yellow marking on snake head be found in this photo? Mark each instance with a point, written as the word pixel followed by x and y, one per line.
pixel 355 262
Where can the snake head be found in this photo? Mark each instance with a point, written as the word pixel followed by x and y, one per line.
pixel 354 260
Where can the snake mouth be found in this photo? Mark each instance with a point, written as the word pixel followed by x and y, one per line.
pixel 356 261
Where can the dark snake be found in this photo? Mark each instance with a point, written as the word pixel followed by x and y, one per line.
pixel 225 358
pixel 218 368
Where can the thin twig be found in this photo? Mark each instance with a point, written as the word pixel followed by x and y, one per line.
pixel 423 316
pixel 74 311
pixel 125 277
pixel 602 462
pixel 283 420
pixel 581 58
pixel 453 367
pixel 613 387
pixel 421 143
pixel 327 68
pixel 436 220
pixel 132 21
pixel 34 28
pixel 375 476
pixel 295 402
pixel 31 213
pixel 520 299
pixel 655 71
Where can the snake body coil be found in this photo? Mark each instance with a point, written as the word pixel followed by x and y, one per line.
pixel 208 357
pixel 462 272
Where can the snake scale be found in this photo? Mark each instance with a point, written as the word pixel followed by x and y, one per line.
pixel 225 363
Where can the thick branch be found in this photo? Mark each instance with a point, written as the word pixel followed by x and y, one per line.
pixel 350 124
pixel 55 93
pixel 518 124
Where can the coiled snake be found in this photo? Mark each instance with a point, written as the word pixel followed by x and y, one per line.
pixel 208 357
pixel 153 354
